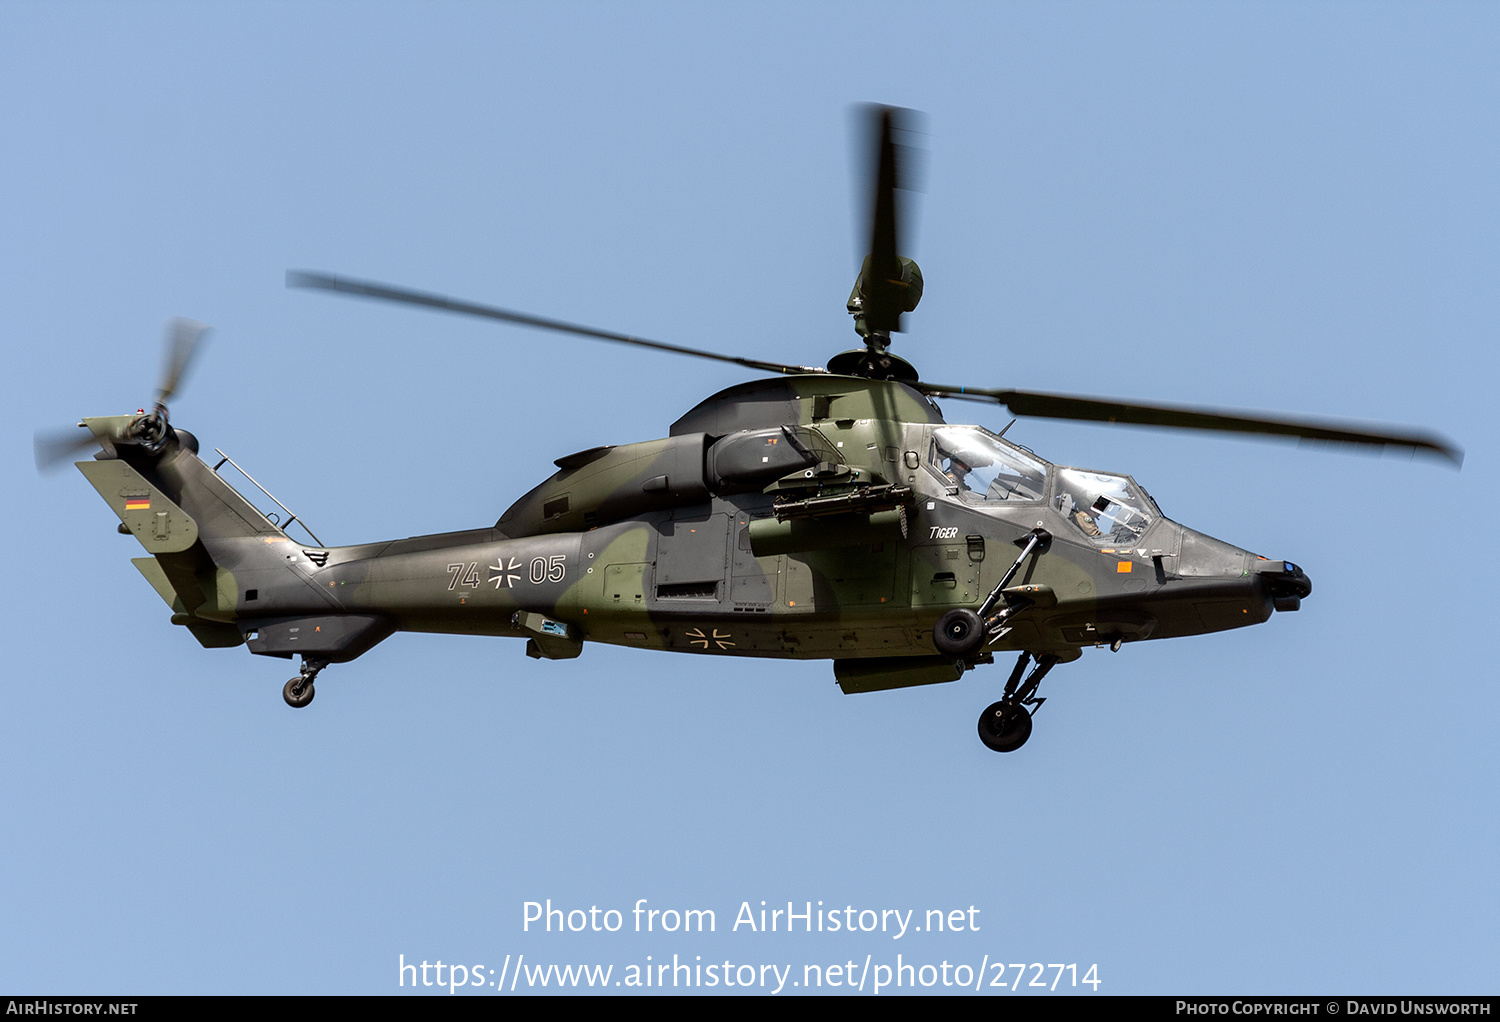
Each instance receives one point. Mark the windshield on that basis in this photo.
(1106, 508)
(985, 467)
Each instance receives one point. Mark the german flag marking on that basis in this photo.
(137, 503)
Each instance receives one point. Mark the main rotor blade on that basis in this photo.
(1063, 406)
(884, 296)
(885, 264)
(183, 337)
(389, 293)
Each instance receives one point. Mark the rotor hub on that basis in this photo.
(872, 364)
(150, 429)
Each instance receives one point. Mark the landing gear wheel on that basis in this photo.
(1004, 727)
(298, 692)
(958, 633)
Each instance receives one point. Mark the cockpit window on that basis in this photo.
(986, 467)
(1106, 508)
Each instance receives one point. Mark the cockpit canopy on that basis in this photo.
(986, 471)
(1104, 507)
(985, 467)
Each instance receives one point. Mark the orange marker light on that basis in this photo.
(1122, 568)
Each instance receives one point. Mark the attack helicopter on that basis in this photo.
(822, 513)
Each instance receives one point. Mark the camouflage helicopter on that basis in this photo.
(823, 513)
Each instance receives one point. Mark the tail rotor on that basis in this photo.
(148, 430)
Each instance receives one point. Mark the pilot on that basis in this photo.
(1083, 517)
(956, 471)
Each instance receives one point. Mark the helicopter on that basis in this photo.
(825, 512)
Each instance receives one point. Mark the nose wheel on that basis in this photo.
(298, 692)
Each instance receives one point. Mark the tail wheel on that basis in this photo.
(1004, 727)
(298, 692)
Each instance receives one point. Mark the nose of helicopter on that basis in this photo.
(1206, 560)
(1287, 584)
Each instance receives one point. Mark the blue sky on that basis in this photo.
(1277, 206)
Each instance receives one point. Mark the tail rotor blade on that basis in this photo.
(182, 341)
(54, 448)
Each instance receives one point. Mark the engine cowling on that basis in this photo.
(608, 484)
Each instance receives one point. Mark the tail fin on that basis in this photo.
(205, 538)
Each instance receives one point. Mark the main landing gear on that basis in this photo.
(299, 691)
(961, 633)
(1004, 726)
